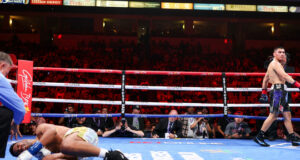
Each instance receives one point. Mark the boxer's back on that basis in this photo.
(55, 145)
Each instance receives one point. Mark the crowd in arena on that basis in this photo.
(156, 56)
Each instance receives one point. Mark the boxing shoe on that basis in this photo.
(259, 139)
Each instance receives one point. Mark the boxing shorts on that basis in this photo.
(87, 134)
(279, 99)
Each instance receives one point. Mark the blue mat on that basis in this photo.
(196, 149)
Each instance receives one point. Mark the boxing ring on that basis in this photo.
(172, 149)
(197, 149)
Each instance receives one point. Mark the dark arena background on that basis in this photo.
(111, 60)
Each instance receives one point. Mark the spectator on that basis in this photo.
(149, 127)
(222, 123)
(108, 121)
(32, 127)
(200, 127)
(237, 129)
(125, 130)
(38, 120)
(138, 123)
(281, 132)
(168, 128)
(70, 120)
(15, 132)
(187, 122)
(35, 121)
(210, 122)
(82, 121)
(98, 124)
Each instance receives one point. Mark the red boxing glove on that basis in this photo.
(296, 84)
(264, 91)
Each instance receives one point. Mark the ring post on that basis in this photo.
(24, 87)
(224, 93)
(123, 97)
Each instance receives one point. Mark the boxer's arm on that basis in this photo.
(46, 133)
(280, 71)
(264, 98)
(265, 81)
(59, 156)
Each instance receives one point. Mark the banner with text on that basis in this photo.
(47, 2)
(24, 89)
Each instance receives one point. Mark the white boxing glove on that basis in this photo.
(42, 153)
(25, 155)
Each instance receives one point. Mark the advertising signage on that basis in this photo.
(15, 1)
(294, 9)
(79, 2)
(206, 6)
(46, 2)
(120, 4)
(240, 7)
(265, 8)
(133, 4)
(171, 5)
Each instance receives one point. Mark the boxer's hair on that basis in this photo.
(278, 47)
(11, 150)
(5, 57)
